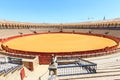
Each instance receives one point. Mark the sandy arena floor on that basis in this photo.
(59, 42)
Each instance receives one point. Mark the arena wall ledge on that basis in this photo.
(45, 58)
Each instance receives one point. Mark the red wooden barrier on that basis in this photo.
(45, 58)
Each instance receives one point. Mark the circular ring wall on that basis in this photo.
(60, 44)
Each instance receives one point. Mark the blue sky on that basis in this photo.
(58, 11)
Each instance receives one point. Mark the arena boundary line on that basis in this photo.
(45, 57)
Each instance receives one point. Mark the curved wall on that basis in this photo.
(45, 58)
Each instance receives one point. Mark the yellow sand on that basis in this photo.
(59, 42)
